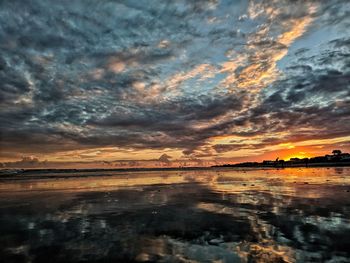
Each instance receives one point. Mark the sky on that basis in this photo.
(146, 83)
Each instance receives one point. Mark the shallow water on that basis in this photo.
(219, 215)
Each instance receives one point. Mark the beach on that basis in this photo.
(206, 215)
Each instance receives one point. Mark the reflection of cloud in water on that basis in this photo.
(204, 217)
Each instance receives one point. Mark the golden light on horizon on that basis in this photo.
(300, 155)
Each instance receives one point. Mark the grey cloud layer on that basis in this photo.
(81, 74)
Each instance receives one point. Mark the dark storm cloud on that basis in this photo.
(148, 74)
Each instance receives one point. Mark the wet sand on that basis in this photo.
(216, 215)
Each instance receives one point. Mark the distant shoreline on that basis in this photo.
(14, 171)
(297, 165)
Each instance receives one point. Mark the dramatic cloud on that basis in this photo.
(165, 158)
(197, 79)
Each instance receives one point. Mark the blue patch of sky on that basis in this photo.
(314, 40)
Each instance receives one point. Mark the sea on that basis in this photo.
(197, 215)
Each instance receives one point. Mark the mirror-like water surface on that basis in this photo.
(222, 215)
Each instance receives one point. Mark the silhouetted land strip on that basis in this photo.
(336, 159)
(286, 164)
(24, 174)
